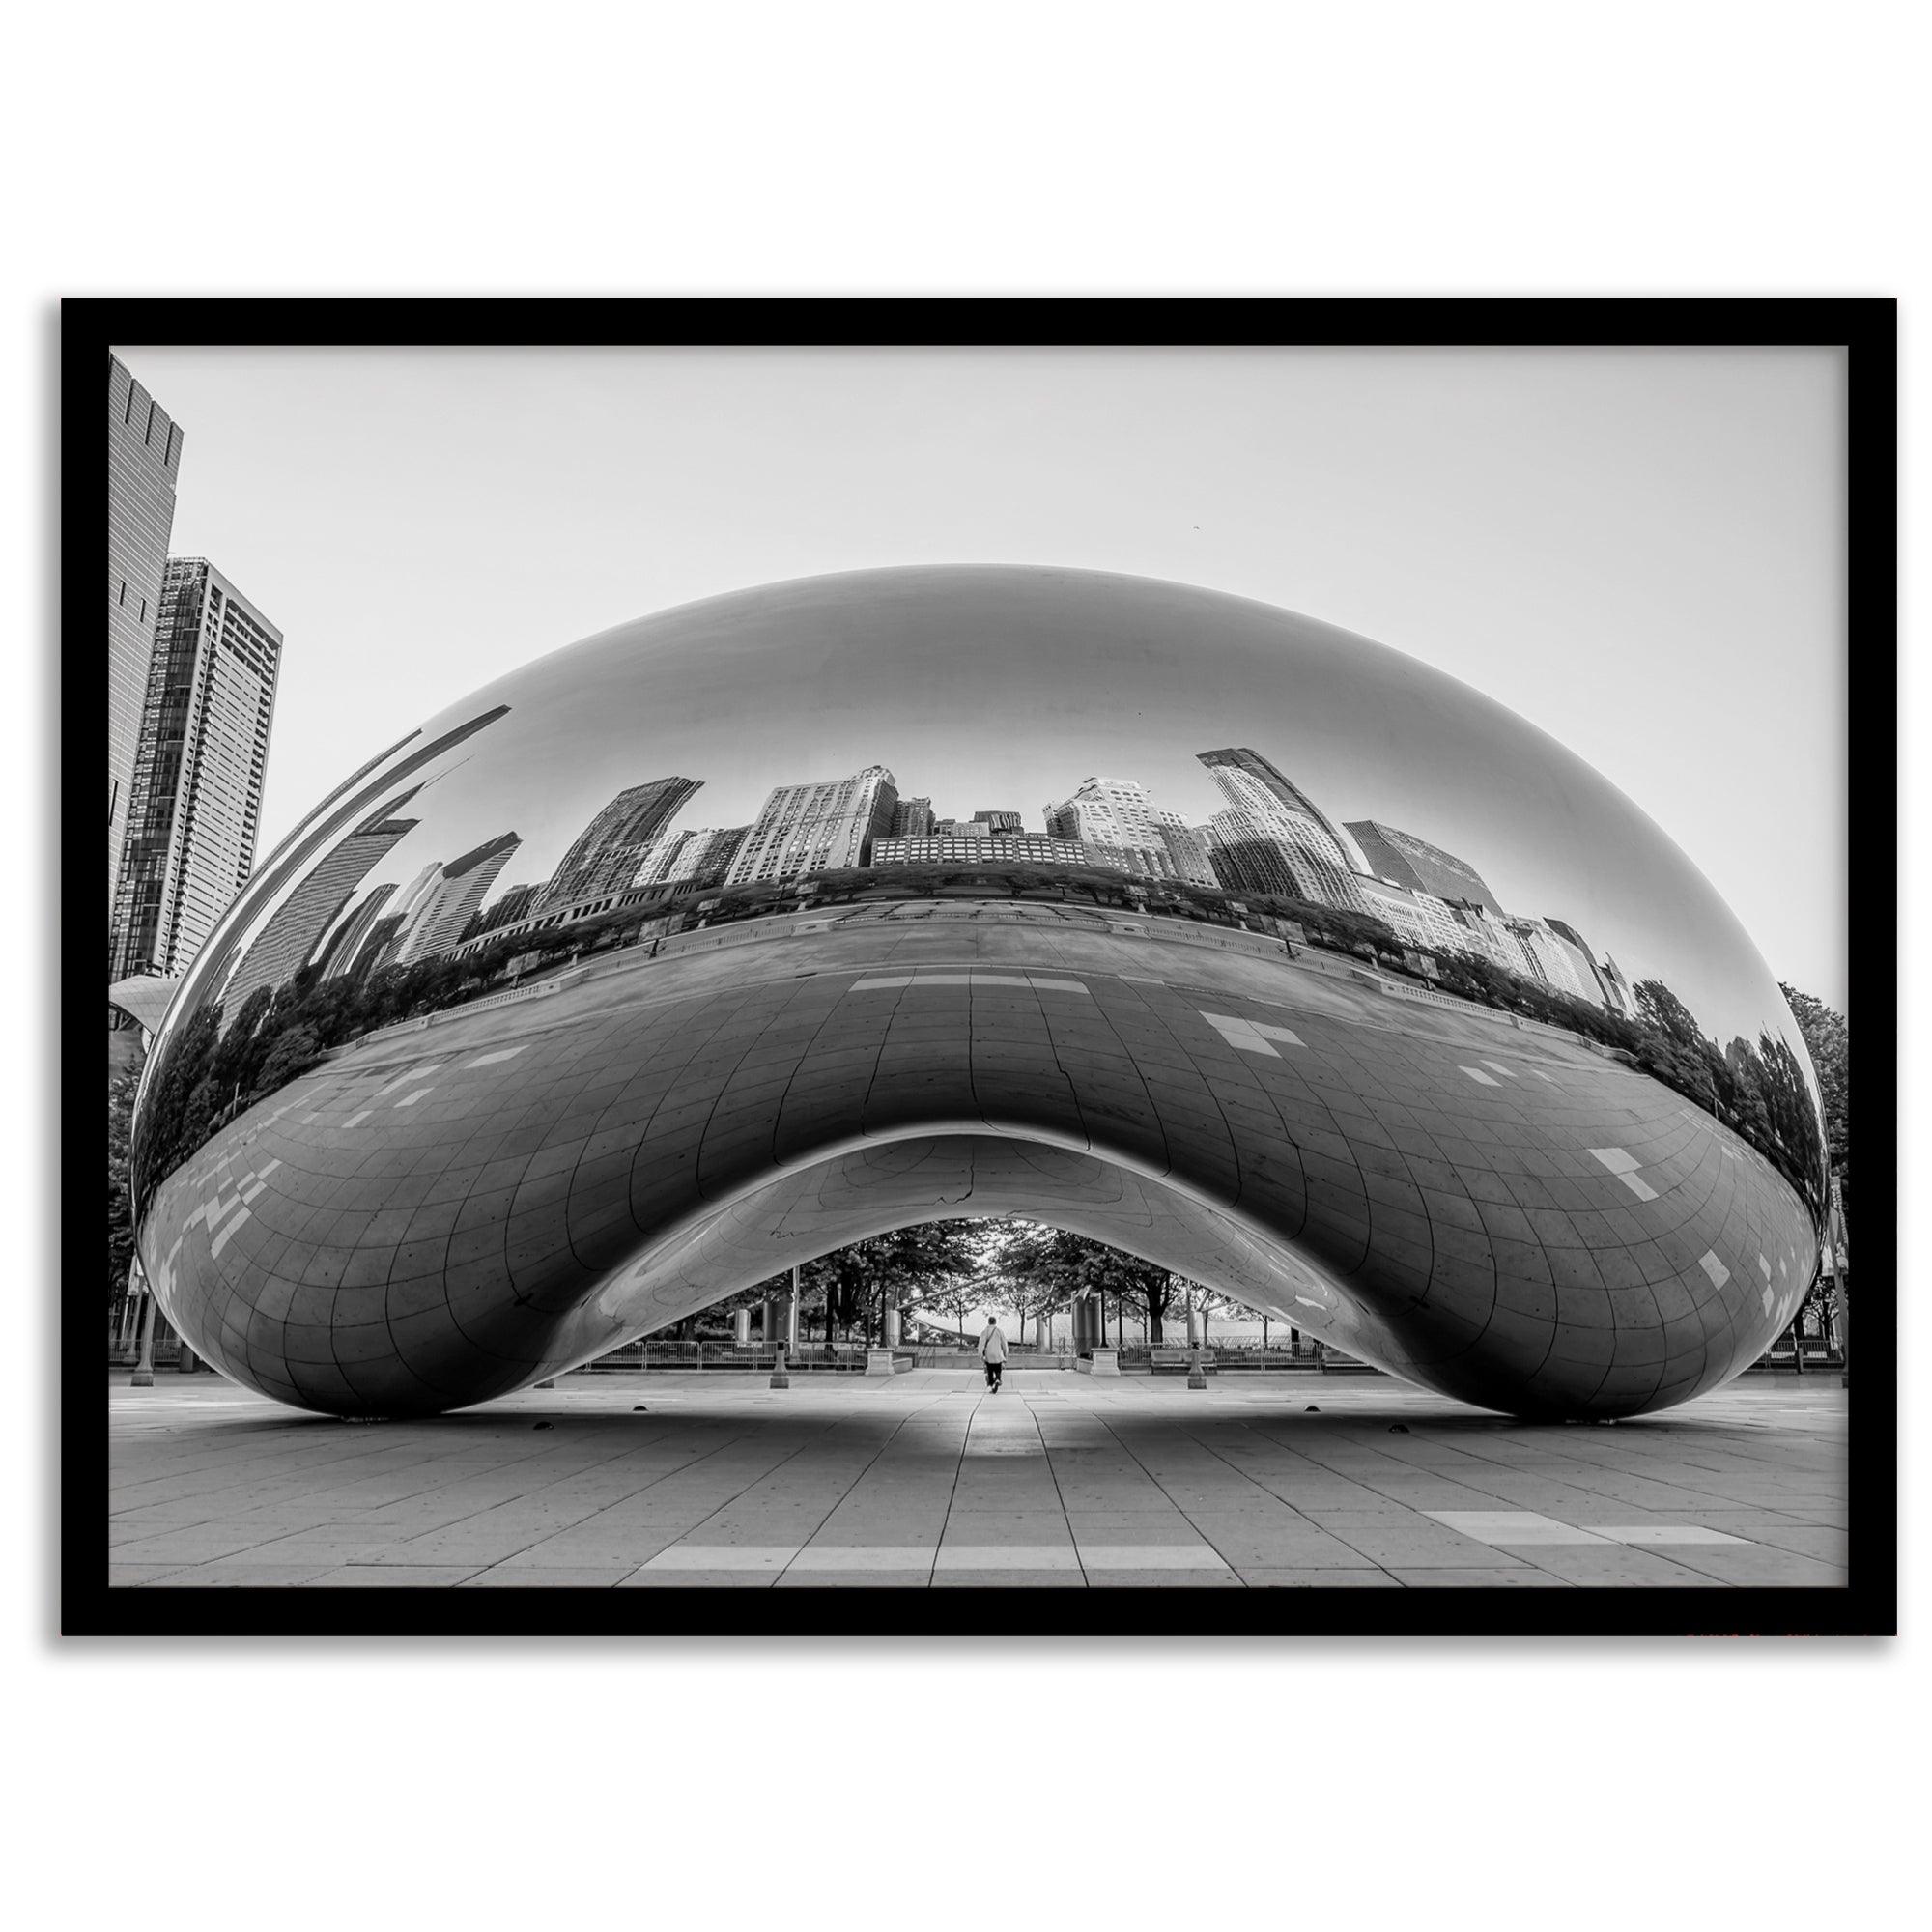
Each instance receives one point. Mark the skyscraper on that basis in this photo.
(1186, 849)
(1547, 958)
(1596, 983)
(1310, 850)
(144, 447)
(807, 828)
(704, 854)
(1117, 815)
(284, 945)
(1423, 868)
(611, 848)
(451, 902)
(196, 798)
(912, 818)
(1420, 919)
(1623, 996)
(513, 903)
(338, 955)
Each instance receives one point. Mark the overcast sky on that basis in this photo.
(1640, 551)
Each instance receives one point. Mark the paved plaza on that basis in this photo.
(924, 1480)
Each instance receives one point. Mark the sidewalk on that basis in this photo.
(1060, 1481)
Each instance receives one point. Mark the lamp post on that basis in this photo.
(144, 1367)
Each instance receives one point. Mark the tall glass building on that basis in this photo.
(608, 853)
(1308, 850)
(195, 803)
(803, 828)
(1412, 861)
(144, 447)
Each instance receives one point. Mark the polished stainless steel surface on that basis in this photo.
(757, 926)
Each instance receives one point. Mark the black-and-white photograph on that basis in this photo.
(839, 963)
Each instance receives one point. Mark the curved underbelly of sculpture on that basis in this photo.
(457, 1209)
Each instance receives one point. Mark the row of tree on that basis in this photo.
(944, 1270)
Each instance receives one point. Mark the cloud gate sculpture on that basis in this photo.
(740, 932)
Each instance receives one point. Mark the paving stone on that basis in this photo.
(220, 1482)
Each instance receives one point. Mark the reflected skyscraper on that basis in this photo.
(1309, 850)
(704, 854)
(1423, 868)
(812, 827)
(144, 447)
(459, 887)
(1420, 919)
(611, 848)
(1596, 982)
(1548, 959)
(515, 903)
(287, 942)
(345, 943)
(197, 783)
(1115, 816)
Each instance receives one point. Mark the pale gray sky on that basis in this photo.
(1640, 551)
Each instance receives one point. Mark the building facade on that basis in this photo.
(453, 900)
(1406, 859)
(1309, 850)
(700, 857)
(607, 852)
(1019, 848)
(288, 941)
(345, 945)
(144, 446)
(195, 803)
(1419, 917)
(1549, 959)
(1117, 816)
(808, 828)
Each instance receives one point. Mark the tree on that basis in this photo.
(1041, 1268)
(931, 1266)
(1827, 1040)
(119, 1199)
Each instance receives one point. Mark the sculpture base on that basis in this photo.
(879, 1362)
(1102, 1362)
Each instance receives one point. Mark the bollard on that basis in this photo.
(1197, 1374)
(780, 1378)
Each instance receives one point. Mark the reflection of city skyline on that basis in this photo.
(1270, 838)
(711, 766)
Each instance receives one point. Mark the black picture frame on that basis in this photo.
(1866, 328)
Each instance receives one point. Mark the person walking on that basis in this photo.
(993, 1352)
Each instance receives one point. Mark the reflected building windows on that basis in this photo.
(1307, 850)
(1405, 860)
(815, 827)
(608, 851)
(288, 939)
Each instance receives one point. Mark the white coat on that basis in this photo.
(993, 1346)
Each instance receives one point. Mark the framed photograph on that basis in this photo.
(848, 965)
